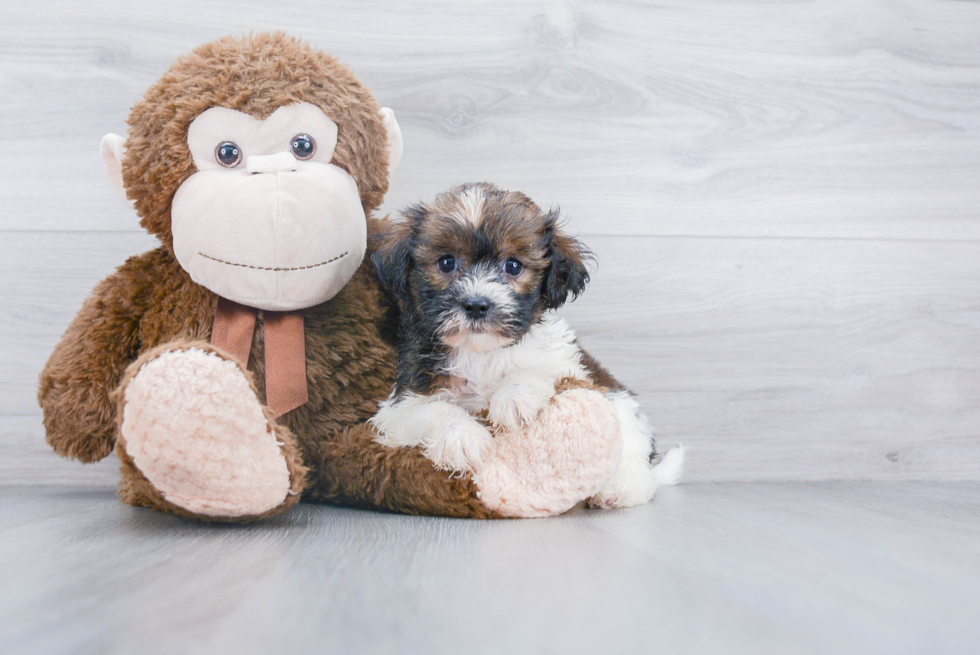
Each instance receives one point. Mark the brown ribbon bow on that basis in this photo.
(285, 350)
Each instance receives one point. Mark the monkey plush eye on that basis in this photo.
(228, 154)
(446, 264)
(513, 267)
(303, 146)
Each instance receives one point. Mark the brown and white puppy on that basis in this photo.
(475, 275)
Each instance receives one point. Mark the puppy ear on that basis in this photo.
(567, 274)
(392, 257)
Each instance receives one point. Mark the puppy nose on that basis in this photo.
(476, 306)
(277, 163)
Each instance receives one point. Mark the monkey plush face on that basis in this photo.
(267, 220)
(255, 160)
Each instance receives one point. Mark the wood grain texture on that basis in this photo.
(767, 363)
(727, 568)
(853, 118)
(784, 198)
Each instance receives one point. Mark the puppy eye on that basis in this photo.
(446, 264)
(303, 146)
(228, 154)
(513, 267)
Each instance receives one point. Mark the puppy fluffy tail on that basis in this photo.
(670, 469)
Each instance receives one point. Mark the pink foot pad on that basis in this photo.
(565, 456)
(195, 429)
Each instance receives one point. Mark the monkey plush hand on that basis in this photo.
(234, 368)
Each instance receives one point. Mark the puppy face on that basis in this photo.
(478, 266)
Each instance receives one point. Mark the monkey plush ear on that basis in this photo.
(392, 253)
(567, 273)
(112, 149)
(395, 145)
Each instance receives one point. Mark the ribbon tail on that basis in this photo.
(233, 328)
(285, 362)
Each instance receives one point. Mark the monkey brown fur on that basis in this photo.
(151, 305)
(349, 362)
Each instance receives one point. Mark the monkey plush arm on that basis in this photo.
(85, 367)
(355, 470)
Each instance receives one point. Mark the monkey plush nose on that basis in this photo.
(277, 163)
(476, 306)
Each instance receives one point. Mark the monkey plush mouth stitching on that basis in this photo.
(269, 268)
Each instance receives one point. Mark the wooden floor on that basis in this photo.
(707, 568)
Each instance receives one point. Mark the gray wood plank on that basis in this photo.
(770, 359)
(796, 359)
(25, 459)
(733, 568)
(837, 118)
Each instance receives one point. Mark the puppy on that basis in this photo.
(475, 276)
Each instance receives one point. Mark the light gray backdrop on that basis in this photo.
(783, 198)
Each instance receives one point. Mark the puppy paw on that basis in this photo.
(628, 487)
(514, 405)
(635, 481)
(458, 446)
(620, 494)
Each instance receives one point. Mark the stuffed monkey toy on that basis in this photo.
(234, 368)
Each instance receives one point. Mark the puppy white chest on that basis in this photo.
(545, 354)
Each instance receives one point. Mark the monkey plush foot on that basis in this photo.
(198, 441)
(565, 456)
